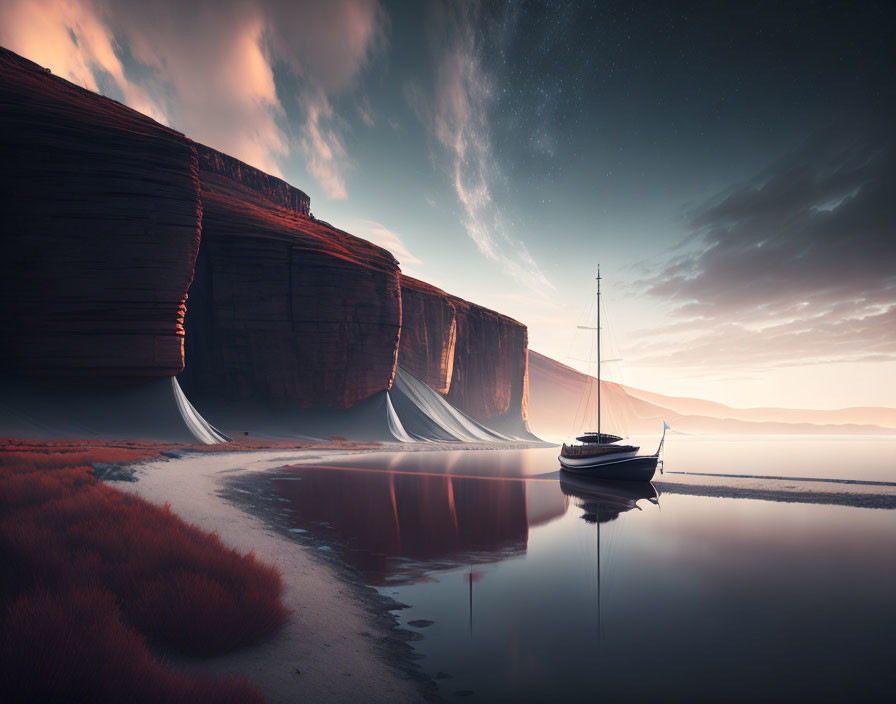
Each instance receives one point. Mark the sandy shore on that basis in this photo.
(839, 492)
(333, 649)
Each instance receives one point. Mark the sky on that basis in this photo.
(730, 166)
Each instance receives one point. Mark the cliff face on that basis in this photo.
(101, 224)
(428, 333)
(489, 381)
(103, 210)
(273, 189)
(285, 310)
(474, 356)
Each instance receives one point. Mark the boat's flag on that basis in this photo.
(666, 426)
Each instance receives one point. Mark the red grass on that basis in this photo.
(90, 572)
(71, 646)
(134, 450)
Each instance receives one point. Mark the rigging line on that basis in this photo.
(585, 398)
(584, 404)
(594, 354)
(618, 411)
(579, 409)
(584, 315)
(602, 361)
(614, 340)
(616, 414)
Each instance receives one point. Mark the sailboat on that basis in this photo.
(603, 455)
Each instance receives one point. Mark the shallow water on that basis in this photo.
(540, 588)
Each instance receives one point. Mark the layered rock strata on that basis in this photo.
(474, 356)
(428, 333)
(273, 189)
(285, 309)
(103, 210)
(489, 378)
(101, 226)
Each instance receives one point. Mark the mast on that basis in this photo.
(598, 355)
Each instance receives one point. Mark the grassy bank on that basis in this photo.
(96, 583)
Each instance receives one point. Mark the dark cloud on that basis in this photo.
(800, 258)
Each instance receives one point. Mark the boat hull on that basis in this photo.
(639, 468)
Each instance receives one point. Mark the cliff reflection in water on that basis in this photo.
(395, 526)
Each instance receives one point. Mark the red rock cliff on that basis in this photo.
(102, 212)
(272, 188)
(474, 356)
(101, 220)
(428, 333)
(489, 381)
(285, 310)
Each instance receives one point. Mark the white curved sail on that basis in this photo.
(395, 426)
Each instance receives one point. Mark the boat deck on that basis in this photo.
(595, 450)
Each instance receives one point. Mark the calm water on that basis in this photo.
(541, 589)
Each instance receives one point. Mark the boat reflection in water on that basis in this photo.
(605, 501)
(396, 526)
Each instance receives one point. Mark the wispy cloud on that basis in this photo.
(70, 38)
(794, 266)
(207, 67)
(381, 235)
(327, 46)
(459, 116)
(325, 156)
(365, 112)
(713, 347)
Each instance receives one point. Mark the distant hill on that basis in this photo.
(559, 397)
